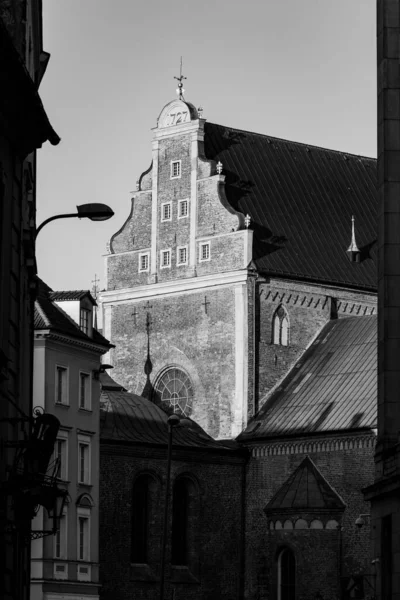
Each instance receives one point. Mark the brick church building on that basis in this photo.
(241, 292)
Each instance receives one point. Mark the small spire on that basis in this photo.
(247, 221)
(353, 249)
(219, 167)
(353, 246)
(180, 91)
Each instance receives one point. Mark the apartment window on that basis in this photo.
(60, 538)
(84, 459)
(183, 209)
(166, 212)
(60, 458)
(165, 258)
(204, 251)
(83, 534)
(144, 262)
(61, 385)
(182, 255)
(84, 391)
(84, 320)
(175, 169)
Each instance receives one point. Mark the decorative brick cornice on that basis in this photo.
(48, 335)
(322, 302)
(309, 446)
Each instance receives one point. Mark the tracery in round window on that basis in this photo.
(174, 391)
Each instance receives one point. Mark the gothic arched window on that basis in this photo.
(286, 575)
(143, 487)
(280, 327)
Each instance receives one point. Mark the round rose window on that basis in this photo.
(174, 390)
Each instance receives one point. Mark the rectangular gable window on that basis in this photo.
(165, 258)
(61, 385)
(144, 262)
(183, 209)
(166, 213)
(182, 255)
(175, 169)
(204, 251)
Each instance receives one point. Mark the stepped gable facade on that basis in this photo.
(241, 292)
(236, 251)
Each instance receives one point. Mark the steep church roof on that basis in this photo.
(301, 199)
(306, 488)
(333, 386)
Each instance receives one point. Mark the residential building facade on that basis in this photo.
(66, 384)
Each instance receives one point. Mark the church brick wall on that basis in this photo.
(308, 308)
(347, 471)
(219, 542)
(214, 215)
(182, 335)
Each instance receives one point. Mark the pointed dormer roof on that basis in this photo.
(306, 489)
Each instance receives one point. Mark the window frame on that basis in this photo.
(144, 255)
(88, 404)
(62, 436)
(84, 323)
(201, 246)
(64, 369)
(277, 327)
(168, 266)
(165, 205)
(61, 538)
(85, 514)
(176, 162)
(84, 440)
(185, 262)
(180, 204)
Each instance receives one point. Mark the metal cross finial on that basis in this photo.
(180, 91)
(95, 288)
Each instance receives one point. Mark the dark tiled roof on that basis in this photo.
(126, 417)
(332, 387)
(301, 199)
(72, 295)
(50, 316)
(306, 488)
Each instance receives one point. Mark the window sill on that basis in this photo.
(141, 572)
(85, 484)
(85, 410)
(63, 404)
(182, 574)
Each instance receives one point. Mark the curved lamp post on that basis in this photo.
(94, 212)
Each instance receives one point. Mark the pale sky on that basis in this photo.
(300, 70)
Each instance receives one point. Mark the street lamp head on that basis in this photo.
(95, 212)
(173, 420)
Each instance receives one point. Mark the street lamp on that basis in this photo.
(94, 212)
(172, 421)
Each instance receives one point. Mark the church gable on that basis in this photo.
(305, 489)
